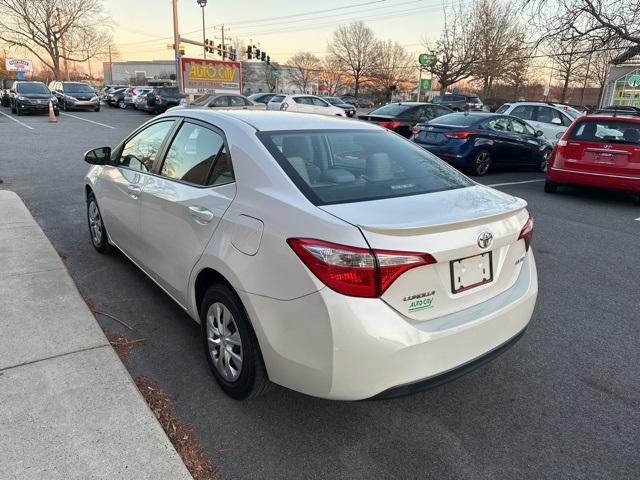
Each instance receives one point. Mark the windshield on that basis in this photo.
(342, 166)
(202, 101)
(392, 110)
(76, 88)
(32, 88)
(456, 120)
(601, 130)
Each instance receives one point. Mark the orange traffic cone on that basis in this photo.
(52, 115)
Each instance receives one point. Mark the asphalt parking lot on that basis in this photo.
(563, 403)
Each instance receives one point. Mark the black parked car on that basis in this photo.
(4, 97)
(349, 109)
(108, 89)
(261, 97)
(160, 99)
(75, 95)
(401, 117)
(357, 102)
(27, 97)
(478, 141)
(459, 103)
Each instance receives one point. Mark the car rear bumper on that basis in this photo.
(594, 179)
(345, 348)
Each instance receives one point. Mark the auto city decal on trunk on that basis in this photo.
(420, 301)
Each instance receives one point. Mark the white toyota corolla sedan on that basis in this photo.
(332, 257)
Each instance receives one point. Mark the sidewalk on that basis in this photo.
(68, 407)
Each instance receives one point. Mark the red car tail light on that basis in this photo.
(462, 134)
(158, 98)
(527, 233)
(416, 130)
(390, 125)
(352, 271)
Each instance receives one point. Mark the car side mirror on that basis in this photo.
(98, 156)
(539, 133)
(556, 121)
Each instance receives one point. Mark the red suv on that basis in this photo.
(599, 151)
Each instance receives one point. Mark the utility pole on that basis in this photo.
(110, 66)
(176, 45)
(64, 50)
(224, 51)
(203, 3)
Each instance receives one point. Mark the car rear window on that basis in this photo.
(391, 110)
(343, 166)
(277, 99)
(456, 119)
(610, 131)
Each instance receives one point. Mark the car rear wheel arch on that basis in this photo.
(206, 278)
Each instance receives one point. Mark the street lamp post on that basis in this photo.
(203, 3)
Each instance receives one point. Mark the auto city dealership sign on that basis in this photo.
(211, 76)
(19, 65)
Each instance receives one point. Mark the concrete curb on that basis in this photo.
(68, 407)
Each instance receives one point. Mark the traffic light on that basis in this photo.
(263, 56)
(209, 46)
(257, 52)
(268, 59)
(233, 54)
(219, 49)
(249, 52)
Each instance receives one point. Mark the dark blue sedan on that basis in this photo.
(478, 141)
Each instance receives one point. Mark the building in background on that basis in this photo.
(154, 72)
(623, 80)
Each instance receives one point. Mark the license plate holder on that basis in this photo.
(471, 272)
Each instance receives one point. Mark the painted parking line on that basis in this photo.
(16, 120)
(515, 183)
(86, 120)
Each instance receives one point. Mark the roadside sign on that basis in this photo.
(19, 65)
(209, 76)
(425, 84)
(427, 59)
(20, 75)
(276, 74)
(546, 92)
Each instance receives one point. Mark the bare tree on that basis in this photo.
(568, 59)
(520, 66)
(500, 38)
(456, 48)
(597, 21)
(56, 31)
(332, 76)
(600, 63)
(354, 46)
(304, 69)
(393, 65)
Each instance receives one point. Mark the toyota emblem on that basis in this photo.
(485, 239)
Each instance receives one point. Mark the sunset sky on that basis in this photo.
(142, 28)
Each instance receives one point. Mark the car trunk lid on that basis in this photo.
(447, 225)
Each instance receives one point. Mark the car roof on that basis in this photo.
(609, 116)
(264, 120)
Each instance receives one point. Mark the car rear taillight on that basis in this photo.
(457, 134)
(390, 125)
(158, 98)
(353, 271)
(416, 130)
(527, 233)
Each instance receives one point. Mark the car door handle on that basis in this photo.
(134, 190)
(201, 214)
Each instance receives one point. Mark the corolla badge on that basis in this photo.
(485, 239)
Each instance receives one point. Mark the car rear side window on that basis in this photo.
(342, 166)
(192, 154)
(503, 108)
(602, 130)
(525, 112)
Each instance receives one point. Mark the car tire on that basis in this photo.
(56, 113)
(96, 109)
(65, 108)
(18, 112)
(481, 163)
(231, 346)
(543, 163)
(550, 187)
(97, 230)
(121, 104)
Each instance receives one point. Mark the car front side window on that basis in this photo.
(141, 150)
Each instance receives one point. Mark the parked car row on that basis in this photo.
(29, 97)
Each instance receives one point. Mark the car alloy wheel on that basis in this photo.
(96, 226)
(121, 104)
(481, 163)
(545, 158)
(225, 344)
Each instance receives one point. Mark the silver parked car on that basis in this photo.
(332, 257)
